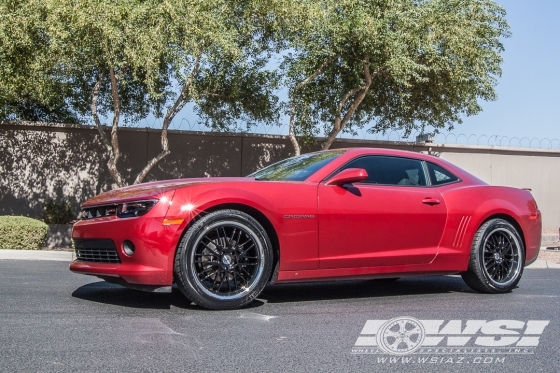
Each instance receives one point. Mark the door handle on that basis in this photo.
(431, 201)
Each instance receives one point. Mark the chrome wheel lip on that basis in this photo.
(254, 236)
(513, 272)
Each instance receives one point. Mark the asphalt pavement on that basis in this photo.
(52, 320)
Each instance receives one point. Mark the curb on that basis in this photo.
(543, 264)
(61, 256)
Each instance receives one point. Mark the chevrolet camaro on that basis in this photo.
(339, 214)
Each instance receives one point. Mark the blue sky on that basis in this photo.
(528, 104)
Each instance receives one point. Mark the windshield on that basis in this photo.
(296, 168)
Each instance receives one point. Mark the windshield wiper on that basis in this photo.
(262, 178)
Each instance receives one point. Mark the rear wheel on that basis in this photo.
(224, 260)
(497, 258)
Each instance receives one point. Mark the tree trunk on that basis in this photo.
(292, 133)
(359, 93)
(169, 115)
(116, 153)
(113, 146)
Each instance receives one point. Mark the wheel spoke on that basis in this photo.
(415, 330)
(221, 282)
(408, 342)
(210, 275)
(244, 270)
(238, 238)
(390, 333)
(394, 346)
(243, 279)
(226, 242)
(234, 279)
(219, 238)
(210, 248)
(244, 251)
(246, 242)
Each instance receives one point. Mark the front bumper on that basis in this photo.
(129, 272)
(155, 245)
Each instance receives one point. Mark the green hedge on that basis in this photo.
(21, 233)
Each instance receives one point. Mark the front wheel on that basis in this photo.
(224, 260)
(497, 258)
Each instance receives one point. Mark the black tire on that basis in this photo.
(224, 260)
(497, 258)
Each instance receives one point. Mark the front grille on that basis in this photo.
(122, 210)
(100, 251)
(99, 211)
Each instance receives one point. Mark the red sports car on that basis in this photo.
(336, 214)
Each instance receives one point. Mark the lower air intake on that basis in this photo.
(99, 251)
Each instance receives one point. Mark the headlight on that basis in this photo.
(131, 209)
(122, 210)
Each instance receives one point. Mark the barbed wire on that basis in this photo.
(468, 139)
(363, 134)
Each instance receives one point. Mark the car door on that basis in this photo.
(393, 218)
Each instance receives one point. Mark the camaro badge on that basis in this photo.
(299, 216)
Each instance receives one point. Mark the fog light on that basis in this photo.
(128, 247)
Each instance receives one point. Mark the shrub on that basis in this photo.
(21, 233)
(58, 213)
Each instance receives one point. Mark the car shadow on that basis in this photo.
(116, 295)
(107, 293)
(364, 289)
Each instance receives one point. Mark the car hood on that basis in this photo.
(154, 190)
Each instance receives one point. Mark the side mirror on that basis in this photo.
(348, 176)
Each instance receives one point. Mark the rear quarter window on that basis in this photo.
(439, 175)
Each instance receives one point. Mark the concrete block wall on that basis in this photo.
(39, 162)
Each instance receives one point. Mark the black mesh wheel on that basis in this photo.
(497, 258)
(224, 260)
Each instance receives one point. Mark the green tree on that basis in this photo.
(125, 59)
(24, 109)
(29, 89)
(403, 64)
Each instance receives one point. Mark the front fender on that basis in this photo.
(298, 238)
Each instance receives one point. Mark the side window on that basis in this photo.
(440, 176)
(385, 170)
